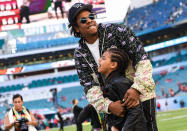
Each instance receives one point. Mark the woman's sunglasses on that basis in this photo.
(91, 16)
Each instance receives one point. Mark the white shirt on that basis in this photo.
(94, 49)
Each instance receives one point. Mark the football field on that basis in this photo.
(167, 121)
(172, 120)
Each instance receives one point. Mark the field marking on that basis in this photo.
(166, 114)
(173, 118)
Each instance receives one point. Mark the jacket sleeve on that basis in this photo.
(91, 85)
(143, 80)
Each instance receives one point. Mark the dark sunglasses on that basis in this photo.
(91, 16)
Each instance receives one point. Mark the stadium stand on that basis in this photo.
(41, 83)
(168, 85)
(170, 58)
(2, 41)
(46, 44)
(66, 95)
(162, 13)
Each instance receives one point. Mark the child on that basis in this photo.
(113, 64)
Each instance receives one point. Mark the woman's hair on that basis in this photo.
(121, 57)
(17, 96)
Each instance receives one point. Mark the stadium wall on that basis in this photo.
(173, 103)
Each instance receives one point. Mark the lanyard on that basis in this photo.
(20, 115)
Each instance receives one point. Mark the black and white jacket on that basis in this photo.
(118, 36)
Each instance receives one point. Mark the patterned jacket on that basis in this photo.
(140, 71)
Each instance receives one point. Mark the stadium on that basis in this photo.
(36, 58)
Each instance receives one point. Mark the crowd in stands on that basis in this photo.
(170, 84)
(160, 13)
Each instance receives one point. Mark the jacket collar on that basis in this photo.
(113, 75)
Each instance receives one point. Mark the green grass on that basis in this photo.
(172, 120)
(167, 121)
(86, 127)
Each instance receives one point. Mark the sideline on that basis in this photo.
(173, 118)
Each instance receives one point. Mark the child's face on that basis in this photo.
(105, 64)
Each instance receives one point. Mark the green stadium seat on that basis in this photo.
(39, 83)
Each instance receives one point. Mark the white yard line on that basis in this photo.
(166, 114)
(173, 118)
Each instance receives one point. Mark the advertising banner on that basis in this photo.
(9, 14)
(38, 67)
(10, 70)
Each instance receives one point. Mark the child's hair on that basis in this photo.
(121, 57)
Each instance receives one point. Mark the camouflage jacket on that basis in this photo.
(140, 71)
